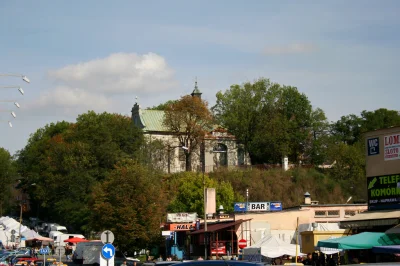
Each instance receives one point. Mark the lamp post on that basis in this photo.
(24, 78)
(203, 166)
(13, 87)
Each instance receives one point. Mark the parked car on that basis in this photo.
(219, 263)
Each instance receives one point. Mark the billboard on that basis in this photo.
(391, 147)
(182, 227)
(218, 248)
(239, 207)
(275, 206)
(257, 206)
(182, 217)
(383, 192)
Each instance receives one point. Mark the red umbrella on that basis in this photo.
(76, 240)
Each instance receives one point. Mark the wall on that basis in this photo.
(375, 162)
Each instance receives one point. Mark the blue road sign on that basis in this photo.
(108, 251)
(44, 251)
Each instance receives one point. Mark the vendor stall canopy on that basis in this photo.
(366, 240)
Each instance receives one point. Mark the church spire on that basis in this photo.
(196, 92)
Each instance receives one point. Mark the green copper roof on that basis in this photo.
(152, 120)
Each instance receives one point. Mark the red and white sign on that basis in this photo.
(220, 250)
(391, 147)
(242, 243)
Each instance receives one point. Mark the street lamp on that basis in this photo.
(12, 87)
(24, 78)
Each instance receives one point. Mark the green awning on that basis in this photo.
(365, 240)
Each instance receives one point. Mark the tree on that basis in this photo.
(187, 192)
(271, 120)
(380, 118)
(66, 160)
(188, 119)
(7, 177)
(131, 203)
(163, 106)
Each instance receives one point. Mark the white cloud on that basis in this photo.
(118, 73)
(70, 101)
(295, 48)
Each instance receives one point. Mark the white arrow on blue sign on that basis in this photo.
(108, 251)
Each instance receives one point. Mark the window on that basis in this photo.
(221, 152)
(334, 213)
(182, 156)
(320, 214)
(240, 153)
(349, 213)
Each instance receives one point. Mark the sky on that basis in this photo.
(100, 55)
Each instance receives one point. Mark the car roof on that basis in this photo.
(219, 262)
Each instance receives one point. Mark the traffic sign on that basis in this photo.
(44, 251)
(242, 243)
(108, 251)
(107, 237)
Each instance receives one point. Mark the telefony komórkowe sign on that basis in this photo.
(383, 192)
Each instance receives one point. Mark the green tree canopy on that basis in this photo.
(7, 177)
(131, 203)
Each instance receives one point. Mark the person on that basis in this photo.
(308, 260)
(169, 258)
(123, 263)
(200, 258)
(160, 258)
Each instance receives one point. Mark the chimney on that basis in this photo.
(307, 198)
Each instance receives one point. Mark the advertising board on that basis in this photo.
(275, 206)
(182, 227)
(182, 217)
(383, 192)
(257, 206)
(239, 207)
(218, 248)
(391, 147)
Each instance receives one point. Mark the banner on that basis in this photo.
(275, 206)
(220, 250)
(391, 147)
(384, 192)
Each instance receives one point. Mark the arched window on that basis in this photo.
(221, 154)
(240, 154)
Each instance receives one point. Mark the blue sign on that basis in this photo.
(44, 251)
(373, 146)
(275, 206)
(240, 207)
(108, 251)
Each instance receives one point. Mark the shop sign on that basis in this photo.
(391, 147)
(384, 192)
(182, 227)
(373, 146)
(258, 206)
(182, 217)
(218, 248)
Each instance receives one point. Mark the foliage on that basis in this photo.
(189, 119)
(130, 202)
(7, 178)
(66, 160)
(271, 120)
(187, 192)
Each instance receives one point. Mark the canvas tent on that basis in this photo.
(365, 240)
(270, 247)
(329, 251)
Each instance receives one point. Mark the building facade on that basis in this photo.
(221, 148)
